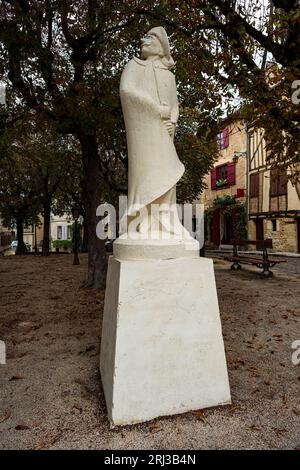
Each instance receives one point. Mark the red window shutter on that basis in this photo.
(225, 138)
(231, 173)
(213, 178)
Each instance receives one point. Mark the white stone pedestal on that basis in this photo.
(162, 349)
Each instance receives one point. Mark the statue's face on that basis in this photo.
(151, 46)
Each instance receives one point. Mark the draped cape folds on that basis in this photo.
(153, 165)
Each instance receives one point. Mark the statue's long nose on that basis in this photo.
(145, 41)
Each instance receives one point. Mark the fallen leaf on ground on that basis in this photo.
(280, 432)
(16, 377)
(154, 427)
(21, 427)
(40, 445)
(5, 416)
(254, 428)
(201, 416)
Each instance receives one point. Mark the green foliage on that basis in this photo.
(226, 204)
(221, 202)
(18, 200)
(198, 151)
(63, 60)
(221, 182)
(66, 244)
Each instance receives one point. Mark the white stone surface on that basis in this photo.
(155, 249)
(162, 350)
(150, 108)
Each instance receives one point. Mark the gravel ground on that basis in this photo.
(51, 395)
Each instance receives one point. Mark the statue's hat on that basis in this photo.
(162, 36)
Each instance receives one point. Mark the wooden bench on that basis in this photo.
(261, 261)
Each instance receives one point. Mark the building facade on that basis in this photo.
(273, 202)
(61, 227)
(225, 185)
(243, 174)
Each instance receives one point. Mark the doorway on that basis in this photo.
(259, 229)
(226, 229)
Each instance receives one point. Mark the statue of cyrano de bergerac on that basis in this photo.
(150, 107)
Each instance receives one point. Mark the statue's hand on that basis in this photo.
(170, 128)
(165, 111)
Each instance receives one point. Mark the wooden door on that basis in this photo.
(215, 227)
(259, 229)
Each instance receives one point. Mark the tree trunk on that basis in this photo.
(20, 237)
(46, 231)
(97, 258)
(35, 240)
(84, 246)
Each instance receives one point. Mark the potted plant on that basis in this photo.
(221, 182)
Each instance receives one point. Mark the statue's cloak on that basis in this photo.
(153, 165)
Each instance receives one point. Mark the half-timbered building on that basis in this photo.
(273, 201)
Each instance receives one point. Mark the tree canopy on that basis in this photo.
(63, 59)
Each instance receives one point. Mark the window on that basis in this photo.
(223, 139)
(69, 232)
(59, 232)
(254, 185)
(223, 175)
(274, 225)
(278, 182)
(222, 172)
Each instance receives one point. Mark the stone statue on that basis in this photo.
(150, 108)
(162, 350)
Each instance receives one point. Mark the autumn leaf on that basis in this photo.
(5, 416)
(154, 427)
(280, 432)
(253, 427)
(16, 377)
(201, 416)
(21, 427)
(40, 445)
